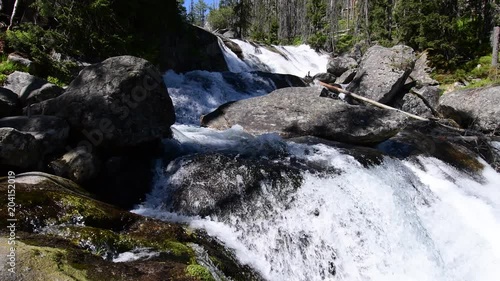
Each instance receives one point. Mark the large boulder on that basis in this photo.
(51, 132)
(204, 184)
(474, 108)
(413, 104)
(65, 234)
(293, 112)
(18, 149)
(119, 102)
(383, 72)
(192, 49)
(31, 89)
(9, 102)
(338, 65)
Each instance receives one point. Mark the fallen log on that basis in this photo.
(370, 101)
(381, 105)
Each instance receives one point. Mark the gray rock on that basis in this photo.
(234, 47)
(230, 33)
(203, 184)
(338, 65)
(47, 91)
(18, 149)
(17, 59)
(474, 108)
(421, 72)
(77, 165)
(358, 50)
(294, 112)
(325, 77)
(9, 102)
(413, 104)
(119, 102)
(193, 49)
(30, 88)
(383, 72)
(347, 76)
(51, 132)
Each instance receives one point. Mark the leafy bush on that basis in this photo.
(91, 31)
(221, 18)
(344, 43)
(317, 40)
(7, 67)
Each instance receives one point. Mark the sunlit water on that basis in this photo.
(400, 220)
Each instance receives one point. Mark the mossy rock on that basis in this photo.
(41, 257)
(65, 234)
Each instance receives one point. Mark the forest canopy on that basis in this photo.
(453, 31)
(88, 30)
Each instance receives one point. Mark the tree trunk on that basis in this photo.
(13, 14)
(496, 34)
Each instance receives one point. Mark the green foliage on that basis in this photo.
(7, 67)
(200, 272)
(91, 31)
(56, 81)
(221, 18)
(317, 40)
(344, 43)
(477, 72)
(297, 41)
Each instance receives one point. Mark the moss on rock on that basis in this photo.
(68, 235)
(200, 272)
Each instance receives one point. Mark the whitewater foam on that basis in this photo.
(396, 221)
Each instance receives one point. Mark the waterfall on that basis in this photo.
(401, 220)
(415, 219)
(295, 60)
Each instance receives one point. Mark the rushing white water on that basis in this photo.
(296, 60)
(395, 221)
(400, 220)
(200, 92)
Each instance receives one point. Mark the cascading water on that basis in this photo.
(400, 220)
(418, 219)
(296, 60)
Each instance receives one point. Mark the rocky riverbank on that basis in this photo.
(94, 146)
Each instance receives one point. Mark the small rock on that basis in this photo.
(18, 149)
(9, 102)
(30, 88)
(77, 165)
(413, 104)
(50, 131)
(325, 78)
(338, 65)
(347, 76)
(17, 59)
(421, 72)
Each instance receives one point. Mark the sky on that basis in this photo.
(187, 3)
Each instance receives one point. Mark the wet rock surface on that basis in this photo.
(294, 112)
(76, 236)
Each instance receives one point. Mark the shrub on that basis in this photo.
(221, 18)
